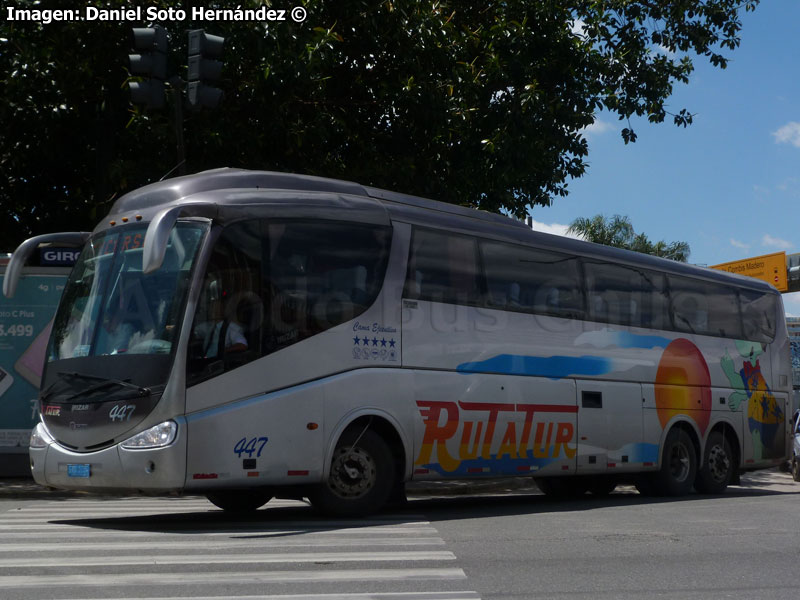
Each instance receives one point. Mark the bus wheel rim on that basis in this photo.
(718, 463)
(353, 473)
(679, 462)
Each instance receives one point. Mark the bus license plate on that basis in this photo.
(79, 470)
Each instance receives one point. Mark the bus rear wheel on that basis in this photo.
(678, 465)
(718, 465)
(239, 501)
(362, 476)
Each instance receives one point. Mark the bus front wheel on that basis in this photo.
(239, 501)
(362, 476)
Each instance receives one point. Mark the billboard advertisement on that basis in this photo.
(25, 323)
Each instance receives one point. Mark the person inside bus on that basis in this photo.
(219, 333)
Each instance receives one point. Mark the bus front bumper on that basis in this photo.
(113, 469)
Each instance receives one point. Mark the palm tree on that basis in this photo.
(618, 231)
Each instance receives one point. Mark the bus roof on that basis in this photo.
(422, 210)
(165, 192)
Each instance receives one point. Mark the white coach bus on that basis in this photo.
(246, 335)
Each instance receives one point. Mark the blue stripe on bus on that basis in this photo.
(639, 452)
(495, 465)
(621, 339)
(553, 367)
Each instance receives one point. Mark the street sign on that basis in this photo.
(769, 267)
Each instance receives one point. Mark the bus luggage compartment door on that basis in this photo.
(609, 426)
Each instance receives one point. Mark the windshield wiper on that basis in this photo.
(104, 382)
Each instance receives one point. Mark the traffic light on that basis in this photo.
(150, 63)
(204, 69)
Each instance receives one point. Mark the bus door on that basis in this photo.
(609, 427)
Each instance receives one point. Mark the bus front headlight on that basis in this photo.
(40, 438)
(157, 436)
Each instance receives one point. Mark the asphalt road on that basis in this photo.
(510, 543)
(743, 544)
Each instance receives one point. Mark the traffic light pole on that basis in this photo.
(177, 85)
(203, 71)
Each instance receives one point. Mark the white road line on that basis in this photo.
(459, 595)
(114, 507)
(153, 501)
(47, 545)
(254, 519)
(224, 559)
(93, 499)
(391, 538)
(224, 529)
(228, 578)
(204, 536)
(173, 506)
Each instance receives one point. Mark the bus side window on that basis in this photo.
(226, 327)
(351, 282)
(625, 295)
(276, 283)
(691, 314)
(598, 309)
(319, 274)
(758, 315)
(531, 280)
(704, 307)
(443, 268)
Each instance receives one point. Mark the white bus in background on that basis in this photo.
(246, 335)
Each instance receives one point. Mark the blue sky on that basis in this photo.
(729, 184)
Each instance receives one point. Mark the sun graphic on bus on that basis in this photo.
(683, 384)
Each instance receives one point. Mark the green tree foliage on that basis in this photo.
(618, 231)
(481, 104)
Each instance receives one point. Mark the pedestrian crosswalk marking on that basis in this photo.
(47, 546)
(227, 577)
(191, 559)
(129, 546)
(358, 596)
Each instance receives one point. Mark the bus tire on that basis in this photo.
(362, 476)
(562, 487)
(239, 501)
(678, 465)
(718, 465)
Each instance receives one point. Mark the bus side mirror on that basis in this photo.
(156, 237)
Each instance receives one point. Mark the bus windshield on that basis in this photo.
(110, 307)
